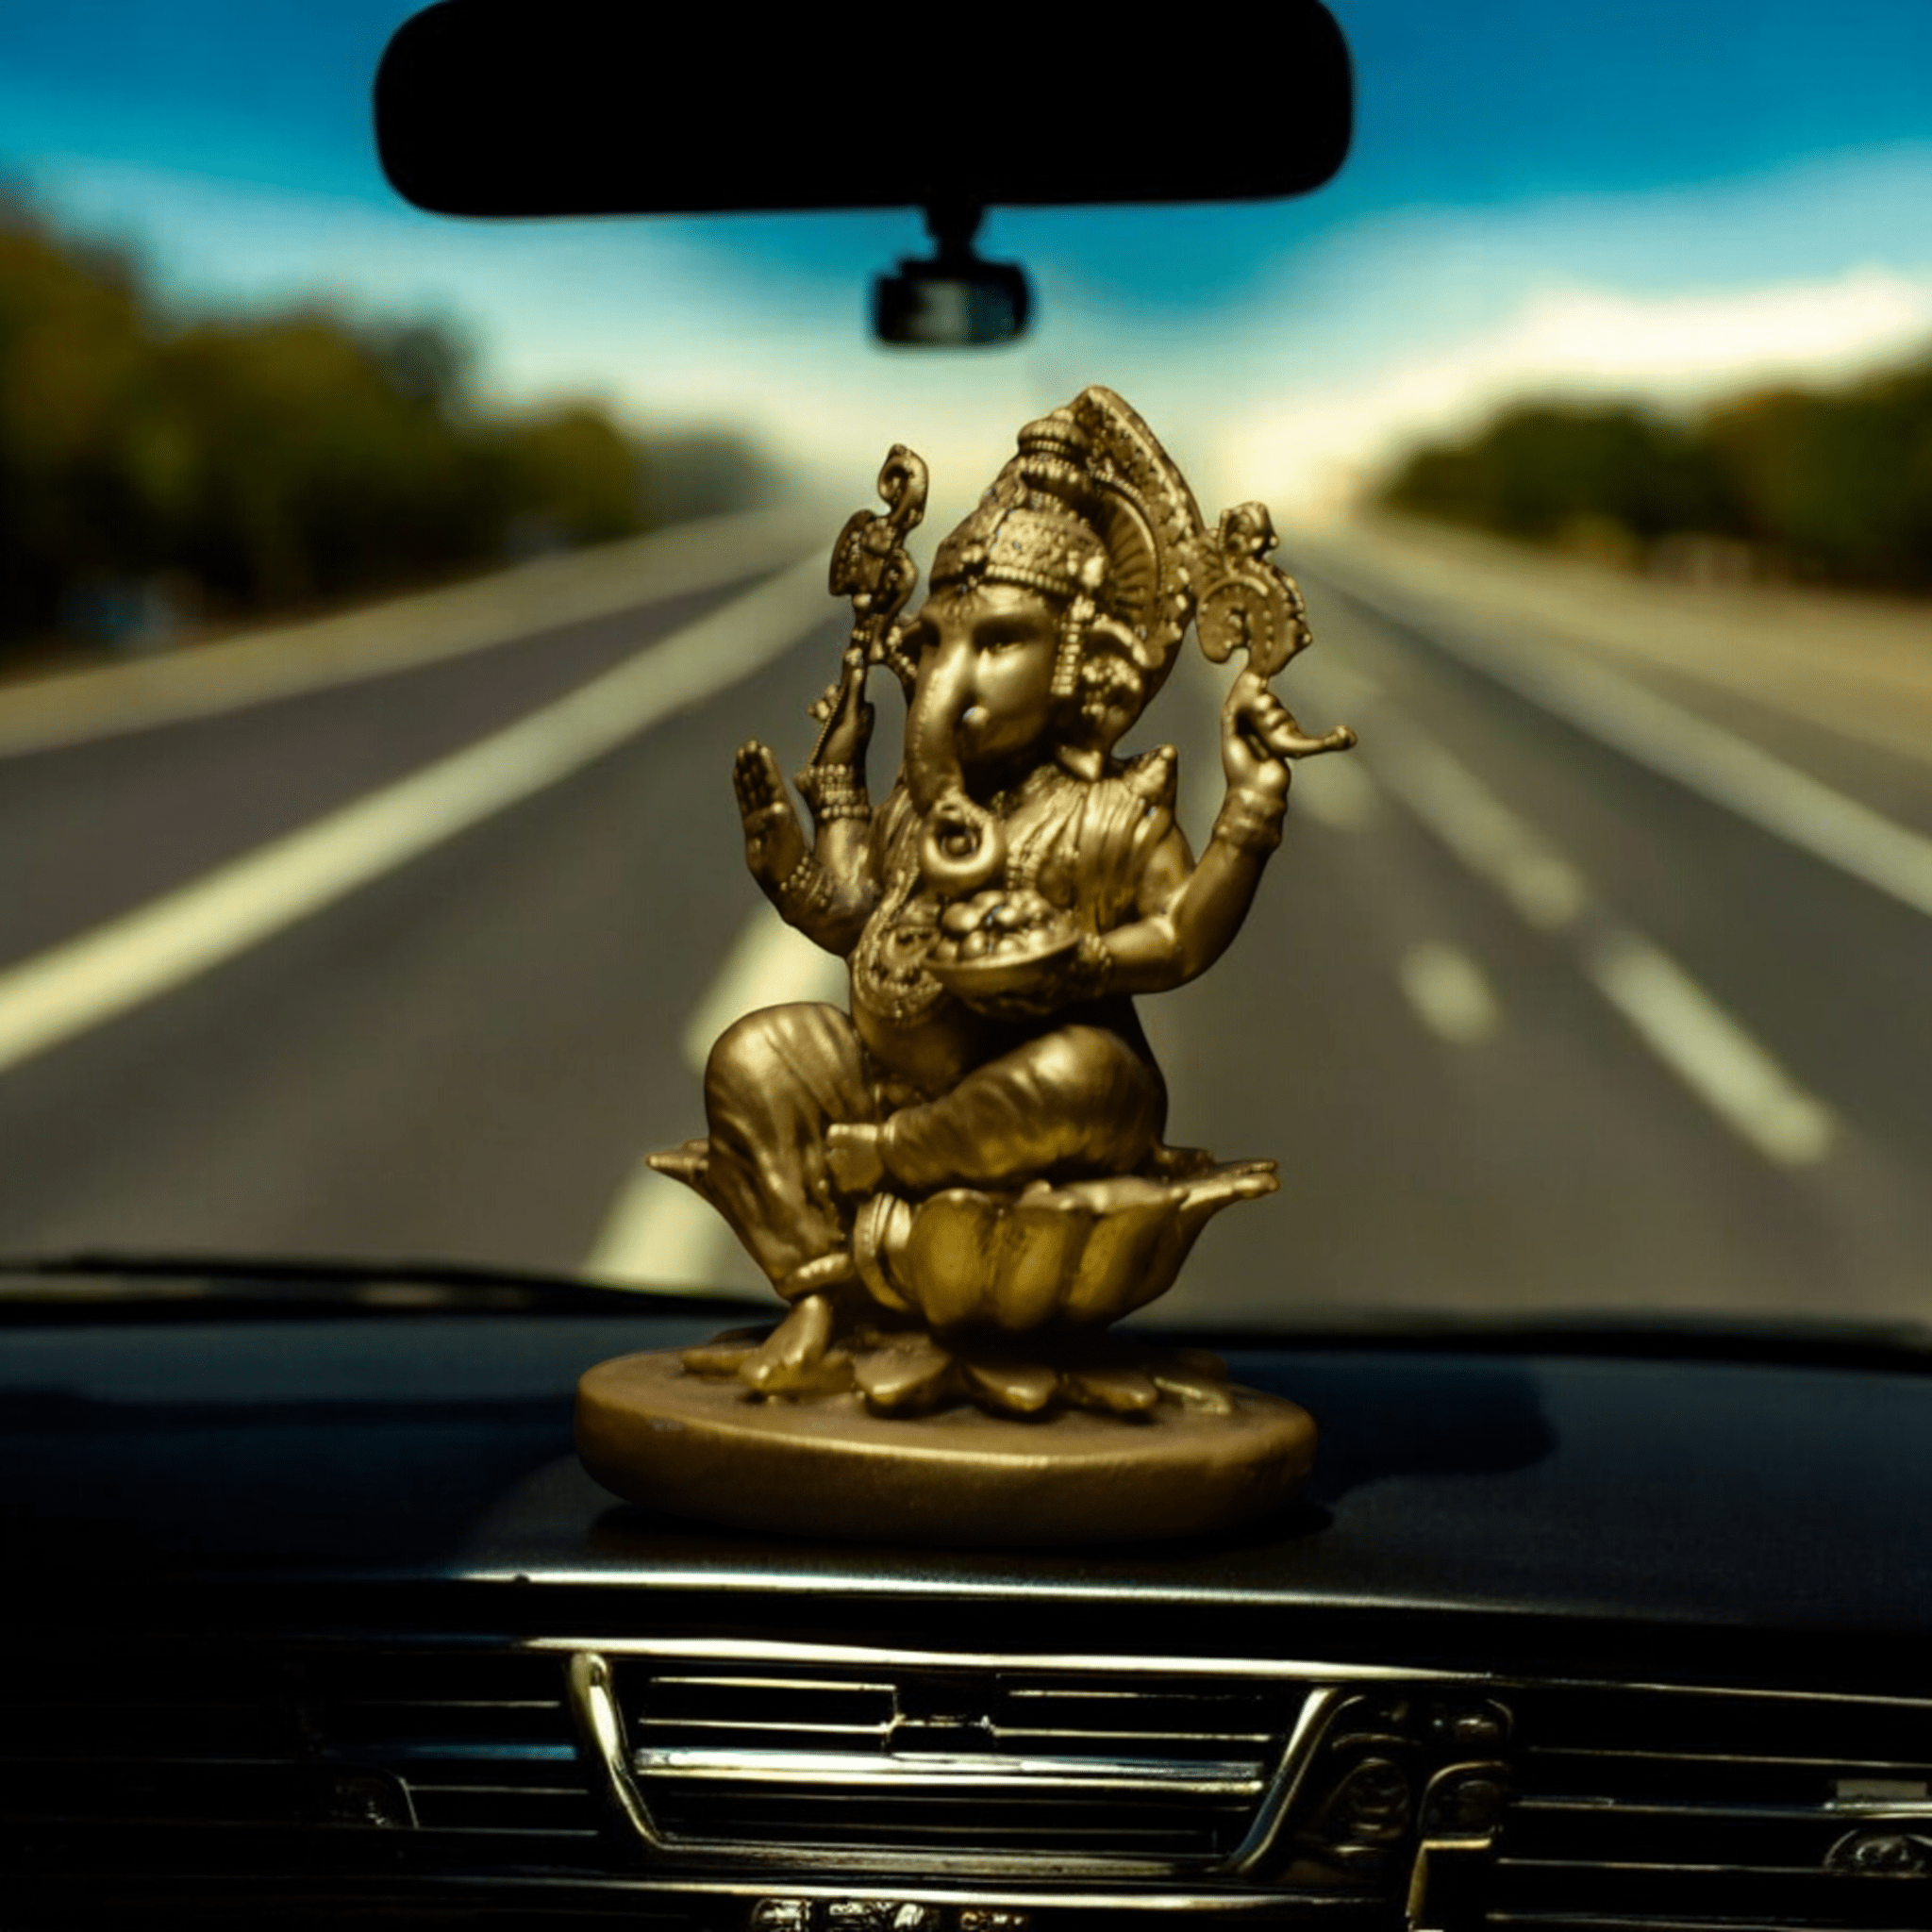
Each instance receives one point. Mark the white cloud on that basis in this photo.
(1313, 446)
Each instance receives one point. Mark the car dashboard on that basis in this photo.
(318, 1616)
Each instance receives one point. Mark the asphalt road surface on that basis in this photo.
(1578, 987)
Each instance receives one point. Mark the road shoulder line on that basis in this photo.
(400, 634)
(1711, 1053)
(1728, 770)
(144, 954)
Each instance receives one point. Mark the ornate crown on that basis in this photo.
(1092, 510)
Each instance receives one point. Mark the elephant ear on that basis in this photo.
(1244, 599)
(1151, 524)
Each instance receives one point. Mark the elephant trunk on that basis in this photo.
(962, 846)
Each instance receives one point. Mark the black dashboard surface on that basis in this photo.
(427, 1450)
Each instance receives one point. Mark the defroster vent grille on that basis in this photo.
(254, 1756)
(1004, 1765)
(1680, 1810)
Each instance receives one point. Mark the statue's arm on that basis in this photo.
(1191, 911)
(1194, 912)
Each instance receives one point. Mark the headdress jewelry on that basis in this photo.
(1091, 510)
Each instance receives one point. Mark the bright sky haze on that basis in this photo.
(1659, 200)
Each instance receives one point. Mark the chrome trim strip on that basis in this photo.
(1229, 1904)
(599, 1726)
(1303, 1744)
(1888, 1699)
(600, 1729)
(727, 1650)
(733, 1650)
(1875, 1811)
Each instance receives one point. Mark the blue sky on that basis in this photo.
(1658, 199)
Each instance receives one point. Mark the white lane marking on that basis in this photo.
(1712, 1053)
(1486, 835)
(1340, 683)
(1709, 1050)
(200, 680)
(658, 1233)
(770, 964)
(1339, 792)
(1773, 795)
(1450, 993)
(159, 946)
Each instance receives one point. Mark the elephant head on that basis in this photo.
(1057, 609)
(982, 702)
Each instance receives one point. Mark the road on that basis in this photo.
(1553, 999)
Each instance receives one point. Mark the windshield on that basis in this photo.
(382, 600)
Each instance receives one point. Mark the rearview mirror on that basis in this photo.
(956, 299)
(589, 108)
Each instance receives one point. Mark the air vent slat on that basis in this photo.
(988, 1771)
(304, 1744)
(1067, 1829)
(1012, 1763)
(1661, 1808)
(1706, 1900)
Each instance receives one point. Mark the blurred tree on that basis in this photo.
(1834, 488)
(298, 467)
(569, 477)
(73, 343)
(1539, 468)
(704, 473)
(262, 463)
(1831, 486)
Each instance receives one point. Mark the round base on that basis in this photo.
(706, 1447)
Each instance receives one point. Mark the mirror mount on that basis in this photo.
(954, 298)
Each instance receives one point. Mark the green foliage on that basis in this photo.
(1538, 469)
(257, 464)
(572, 477)
(1830, 487)
(1839, 487)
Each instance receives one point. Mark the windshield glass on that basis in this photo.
(382, 600)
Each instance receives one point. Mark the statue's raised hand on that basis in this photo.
(773, 842)
(1258, 735)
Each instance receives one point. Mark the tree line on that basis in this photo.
(156, 469)
(1813, 485)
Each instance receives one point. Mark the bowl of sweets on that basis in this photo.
(997, 940)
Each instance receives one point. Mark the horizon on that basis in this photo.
(1490, 239)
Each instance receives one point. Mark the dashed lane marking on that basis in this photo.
(1544, 887)
(770, 964)
(1756, 786)
(1339, 793)
(1450, 993)
(151, 951)
(660, 1235)
(1709, 1050)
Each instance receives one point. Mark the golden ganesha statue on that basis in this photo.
(958, 1183)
